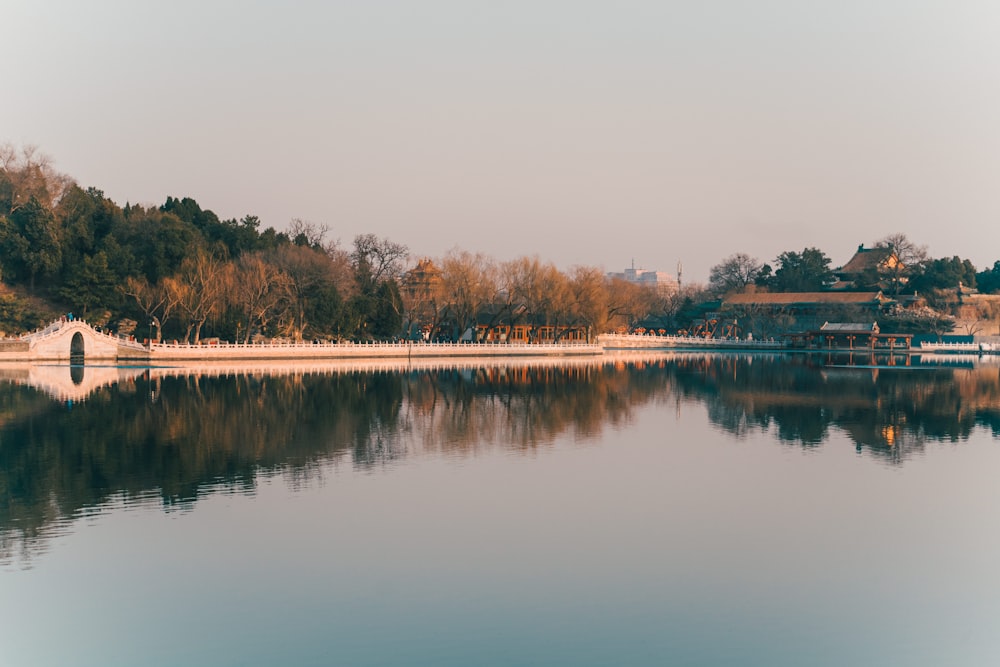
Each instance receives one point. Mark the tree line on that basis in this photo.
(929, 295)
(809, 270)
(178, 267)
(178, 271)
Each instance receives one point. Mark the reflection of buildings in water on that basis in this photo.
(888, 439)
(931, 406)
(893, 411)
(864, 402)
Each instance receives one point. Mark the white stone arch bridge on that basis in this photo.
(68, 340)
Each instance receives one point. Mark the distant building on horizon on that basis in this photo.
(658, 280)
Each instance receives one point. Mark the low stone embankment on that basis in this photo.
(163, 352)
(636, 341)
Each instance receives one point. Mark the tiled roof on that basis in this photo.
(802, 298)
(864, 259)
(849, 327)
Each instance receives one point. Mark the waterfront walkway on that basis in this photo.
(76, 340)
(373, 350)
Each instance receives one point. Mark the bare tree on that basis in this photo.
(734, 273)
(590, 296)
(508, 296)
(908, 256)
(340, 269)
(671, 307)
(559, 308)
(378, 259)
(628, 304)
(260, 290)
(27, 173)
(978, 317)
(469, 283)
(157, 301)
(538, 288)
(307, 269)
(199, 290)
(304, 233)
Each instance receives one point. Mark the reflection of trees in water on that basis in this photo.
(195, 432)
(891, 412)
(462, 410)
(178, 437)
(182, 436)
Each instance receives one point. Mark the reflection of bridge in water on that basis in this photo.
(70, 384)
(76, 382)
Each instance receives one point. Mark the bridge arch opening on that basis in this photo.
(76, 349)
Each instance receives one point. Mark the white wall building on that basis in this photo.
(659, 280)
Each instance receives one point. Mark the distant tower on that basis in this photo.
(680, 270)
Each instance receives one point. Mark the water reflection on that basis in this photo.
(889, 410)
(175, 434)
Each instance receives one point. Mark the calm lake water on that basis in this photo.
(674, 509)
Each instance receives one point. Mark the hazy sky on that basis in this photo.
(584, 132)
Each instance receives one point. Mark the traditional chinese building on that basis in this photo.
(852, 336)
(768, 314)
(869, 267)
(806, 303)
(422, 281)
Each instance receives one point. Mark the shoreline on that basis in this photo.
(166, 352)
(75, 340)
